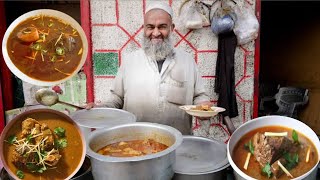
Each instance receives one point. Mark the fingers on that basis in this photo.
(208, 103)
(90, 105)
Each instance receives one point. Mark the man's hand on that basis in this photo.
(90, 105)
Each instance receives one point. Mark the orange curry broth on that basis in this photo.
(129, 148)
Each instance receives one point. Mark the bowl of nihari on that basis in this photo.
(44, 47)
(274, 147)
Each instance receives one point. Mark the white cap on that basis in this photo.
(160, 5)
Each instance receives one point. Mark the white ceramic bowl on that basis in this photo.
(214, 111)
(53, 13)
(272, 121)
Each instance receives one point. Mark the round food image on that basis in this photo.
(275, 152)
(42, 144)
(44, 47)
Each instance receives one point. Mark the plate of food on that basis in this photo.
(42, 144)
(44, 47)
(202, 110)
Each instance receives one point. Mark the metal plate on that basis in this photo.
(197, 155)
(102, 117)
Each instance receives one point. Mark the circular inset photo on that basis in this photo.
(44, 47)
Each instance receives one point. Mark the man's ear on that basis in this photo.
(172, 26)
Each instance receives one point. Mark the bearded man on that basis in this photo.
(154, 81)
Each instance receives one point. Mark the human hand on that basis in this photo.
(90, 105)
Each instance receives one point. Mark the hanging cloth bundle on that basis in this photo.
(225, 78)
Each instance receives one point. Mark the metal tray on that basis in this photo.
(197, 155)
(102, 117)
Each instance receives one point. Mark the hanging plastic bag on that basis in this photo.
(192, 15)
(222, 17)
(222, 23)
(246, 27)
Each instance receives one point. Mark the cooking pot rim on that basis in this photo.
(205, 172)
(177, 134)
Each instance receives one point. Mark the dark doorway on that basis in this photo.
(290, 52)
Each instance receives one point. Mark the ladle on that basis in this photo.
(49, 97)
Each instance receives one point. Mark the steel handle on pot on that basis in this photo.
(227, 121)
(72, 105)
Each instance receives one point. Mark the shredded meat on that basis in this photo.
(268, 149)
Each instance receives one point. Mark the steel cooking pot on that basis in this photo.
(156, 166)
(272, 121)
(199, 158)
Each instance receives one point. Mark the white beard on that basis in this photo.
(158, 51)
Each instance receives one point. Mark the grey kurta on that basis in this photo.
(155, 97)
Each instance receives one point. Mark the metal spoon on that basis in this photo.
(48, 97)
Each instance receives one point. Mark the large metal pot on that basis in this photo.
(156, 166)
(272, 121)
(199, 158)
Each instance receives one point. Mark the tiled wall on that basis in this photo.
(116, 29)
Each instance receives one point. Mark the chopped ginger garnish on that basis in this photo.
(80, 51)
(308, 154)
(284, 169)
(68, 74)
(247, 161)
(276, 133)
(58, 39)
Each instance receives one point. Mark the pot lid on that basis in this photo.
(197, 155)
(102, 117)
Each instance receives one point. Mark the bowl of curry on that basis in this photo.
(274, 147)
(44, 47)
(42, 144)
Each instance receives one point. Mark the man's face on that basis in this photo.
(157, 26)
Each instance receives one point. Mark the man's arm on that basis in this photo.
(115, 100)
(200, 95)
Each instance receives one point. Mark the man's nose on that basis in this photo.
(156, 32)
